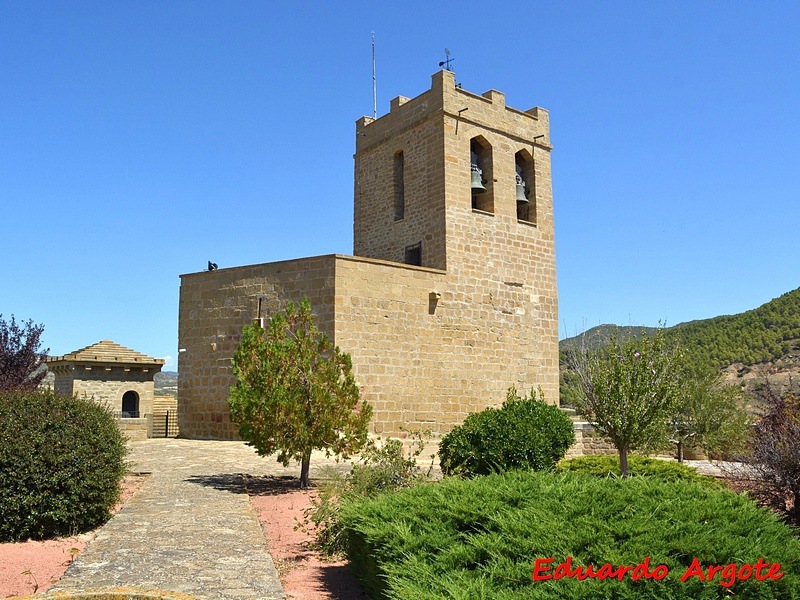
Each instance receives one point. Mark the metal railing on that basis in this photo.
(128, 414)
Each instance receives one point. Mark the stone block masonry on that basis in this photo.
(432, 341)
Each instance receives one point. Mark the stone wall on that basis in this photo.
(415, 128)
(501, 297)
(158, 419)
(423, 356)
(214, 308)
(106, 384)
(430, 344)
(135, 430)
(588, 442)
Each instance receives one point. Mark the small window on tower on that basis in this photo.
(399, 187)
(414, 254)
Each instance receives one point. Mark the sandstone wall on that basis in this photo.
(214, 307)
(107, 385)
(430, 344)
(587, 442)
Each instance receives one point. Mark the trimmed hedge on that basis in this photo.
(61, 464)
(480, 539)
(638, 466)
(522, 434)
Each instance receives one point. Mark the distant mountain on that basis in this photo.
(166, 383)
(763, 335)
(750, 346)
(600, 336)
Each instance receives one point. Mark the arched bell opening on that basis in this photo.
(481, 174)
(525, 182)
(130, 405)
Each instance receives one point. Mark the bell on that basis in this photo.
(521, 198)
(477, 180)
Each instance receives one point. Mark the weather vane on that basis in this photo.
(446, 62)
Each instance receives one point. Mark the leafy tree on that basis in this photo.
(710, 415)
(21, 359)
(295, 392)
(775, 451)
(629, 391)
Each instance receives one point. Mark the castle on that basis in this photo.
(450, 297)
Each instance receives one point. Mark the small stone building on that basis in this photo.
(115, 376)
(450, 297)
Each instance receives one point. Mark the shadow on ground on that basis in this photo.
(340, 583)
(225, 482)
(271, 485)
(241, 483)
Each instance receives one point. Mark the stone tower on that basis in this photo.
(414, 202)
(450, 297)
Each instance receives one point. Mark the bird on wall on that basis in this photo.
(212, 266)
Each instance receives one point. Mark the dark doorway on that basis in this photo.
(130, 405)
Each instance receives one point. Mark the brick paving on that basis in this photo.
(190, 529)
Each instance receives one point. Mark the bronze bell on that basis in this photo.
(477, 180)
(521, 198)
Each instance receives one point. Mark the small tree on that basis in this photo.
(21, 360)
(629, 391)
(295, 392)
(775, 451)
(710, 415)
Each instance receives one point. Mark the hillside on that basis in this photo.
(600, 336)
(763, 335)
(750, 346)
(166, 383)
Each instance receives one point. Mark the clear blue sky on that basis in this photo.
(138, 140)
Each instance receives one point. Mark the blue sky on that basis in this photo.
(138, 140)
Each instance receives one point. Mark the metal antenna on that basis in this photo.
(446, 62)
(374, 82)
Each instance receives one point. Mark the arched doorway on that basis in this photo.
(130, 405)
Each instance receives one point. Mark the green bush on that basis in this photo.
(522, 434)
(381, 468)
(642, 466)
(61, 464)
(480, 539)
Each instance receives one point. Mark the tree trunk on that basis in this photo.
(680, 451)
(304, 469)
(623, 462)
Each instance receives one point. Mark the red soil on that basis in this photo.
(280, 505)
(28, 567)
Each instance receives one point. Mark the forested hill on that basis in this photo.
(767, 334)
(762, 335)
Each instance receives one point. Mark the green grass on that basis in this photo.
(638, 466)
(479, 539)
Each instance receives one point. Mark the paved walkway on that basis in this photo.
(189, 529)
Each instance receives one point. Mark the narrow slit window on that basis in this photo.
(399, 187)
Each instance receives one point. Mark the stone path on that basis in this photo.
(189, 529)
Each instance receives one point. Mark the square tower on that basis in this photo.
(451, 295)
(451, 176)
(461, 182)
